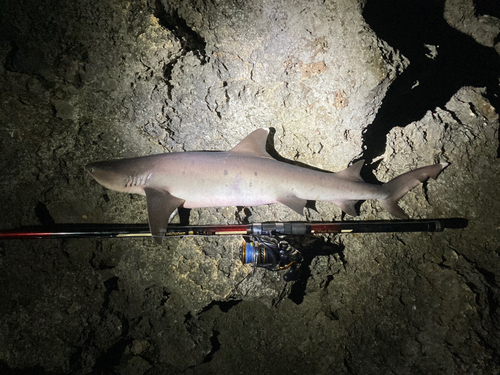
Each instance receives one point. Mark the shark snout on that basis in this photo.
(89, 169)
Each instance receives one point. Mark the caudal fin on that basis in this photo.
(399, 186)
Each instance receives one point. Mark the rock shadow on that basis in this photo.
(442, 60)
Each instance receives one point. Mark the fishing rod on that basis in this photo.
(256, 229)
(264, 250)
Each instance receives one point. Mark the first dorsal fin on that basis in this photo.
(352, 173)
(253, 144)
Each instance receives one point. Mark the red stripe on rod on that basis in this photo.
(21, 235)
(325, 228)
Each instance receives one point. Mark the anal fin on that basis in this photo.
(296, 204)
(347, 206)
(161, 205)
(392, 207)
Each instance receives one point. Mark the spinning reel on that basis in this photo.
(271, 254)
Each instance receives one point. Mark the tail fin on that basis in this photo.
(399, 186)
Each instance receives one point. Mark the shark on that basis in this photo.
(246, 175)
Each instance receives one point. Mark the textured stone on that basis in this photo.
(337, 81)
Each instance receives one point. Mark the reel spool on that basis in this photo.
(271, 254)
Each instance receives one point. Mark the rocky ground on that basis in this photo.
(400, 84)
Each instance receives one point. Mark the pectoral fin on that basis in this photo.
(294, 203)
(161, 204)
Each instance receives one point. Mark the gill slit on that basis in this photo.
(137, 180)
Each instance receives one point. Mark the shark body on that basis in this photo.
(244, 176)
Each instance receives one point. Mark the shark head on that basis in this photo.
(106, 174)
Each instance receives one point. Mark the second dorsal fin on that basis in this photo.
(352, 173)
(253, 144)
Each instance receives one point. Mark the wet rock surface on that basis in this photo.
(400, 86)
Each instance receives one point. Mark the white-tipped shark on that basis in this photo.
(244, 176)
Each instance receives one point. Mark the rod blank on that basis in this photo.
(289, 228)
